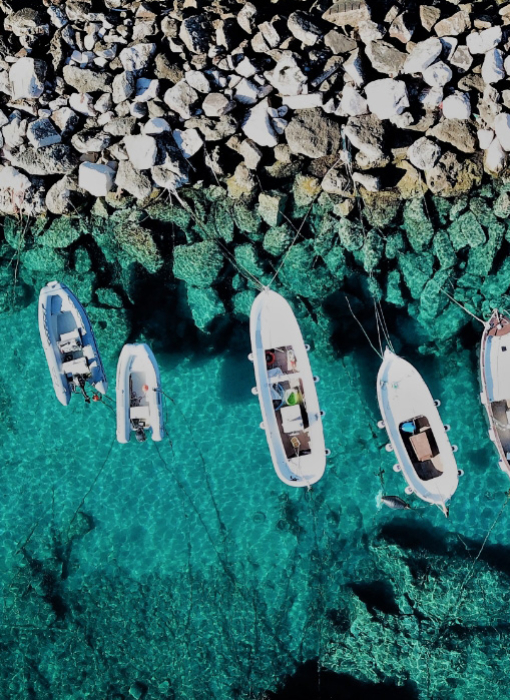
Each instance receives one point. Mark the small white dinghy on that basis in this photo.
(495, 378)
(69, 343)
(416, 431)
(286, 391)
(139, 399)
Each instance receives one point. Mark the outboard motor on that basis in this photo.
(80, 378)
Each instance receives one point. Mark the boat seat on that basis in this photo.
(292, 420)
(70, 342)
(78, 366)
(421, 446)
(140, 413)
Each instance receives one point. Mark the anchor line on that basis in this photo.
(230, 575)
(221, 524)
(98, 474)
(362, 329)
(470, 313)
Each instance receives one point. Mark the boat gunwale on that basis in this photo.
(488, 404)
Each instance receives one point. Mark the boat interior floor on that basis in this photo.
(501, 415)
(422, 449)
(302, 436)
(284, 359)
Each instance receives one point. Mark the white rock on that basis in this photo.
(42, 133)
(424, 153)
(402, 121)
(142, 151)
(15, 131)
(65, 119)
(313, 99)
(257, 125)
(12, 179)
(96, 178)
(457, 106)
(123, 87)
(370, 31)
(485, 138)
(251, 153)
(246, 68)
(26, 78)
(481, 42)
(188, 140)
(137, 57)
(438, 74)
(57, 17)
(104, 103)
(138, 110)
(502, 129)
(168, 179)
(495, 158)
(181, 98)
(352, 102)
(105, 117)
(279, 125)
(450, 43)
(157, 125)
(197, 80)
(354, 68)
(387, 97)
(492, 68)
(370, 182)
(423, 55)
(287, 77)
(82, 102)
(431, 98)
(146, 89)
(246, 92)
(216, 104)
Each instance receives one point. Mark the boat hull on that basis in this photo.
(138, 393)
(425, 457)
(299, 457)
(495, 381)
(60, 313)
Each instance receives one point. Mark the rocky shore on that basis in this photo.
(108, 99)
(199, 148)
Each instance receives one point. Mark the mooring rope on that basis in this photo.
(363, 330)
(98, 474)
(221, 524)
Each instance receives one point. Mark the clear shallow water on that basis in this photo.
(203, 575)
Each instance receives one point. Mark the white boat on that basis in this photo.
(286, 390)
(495, 378)
(416, 432)
(69, 343)
(139, 398)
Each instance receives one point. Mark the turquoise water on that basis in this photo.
(188, 570)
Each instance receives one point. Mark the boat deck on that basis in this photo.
(499, 325)
(295, 442)
(422, 449)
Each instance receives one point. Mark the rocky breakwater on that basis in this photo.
(105, 99)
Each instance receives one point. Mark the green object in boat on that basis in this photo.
(292, 399)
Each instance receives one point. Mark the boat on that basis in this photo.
(69, 343)
(416, 432)
(285, 385)
(495, 380)
(139, 397)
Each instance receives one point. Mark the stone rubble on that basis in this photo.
(191, 92)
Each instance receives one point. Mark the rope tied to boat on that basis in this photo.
(98, 474)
